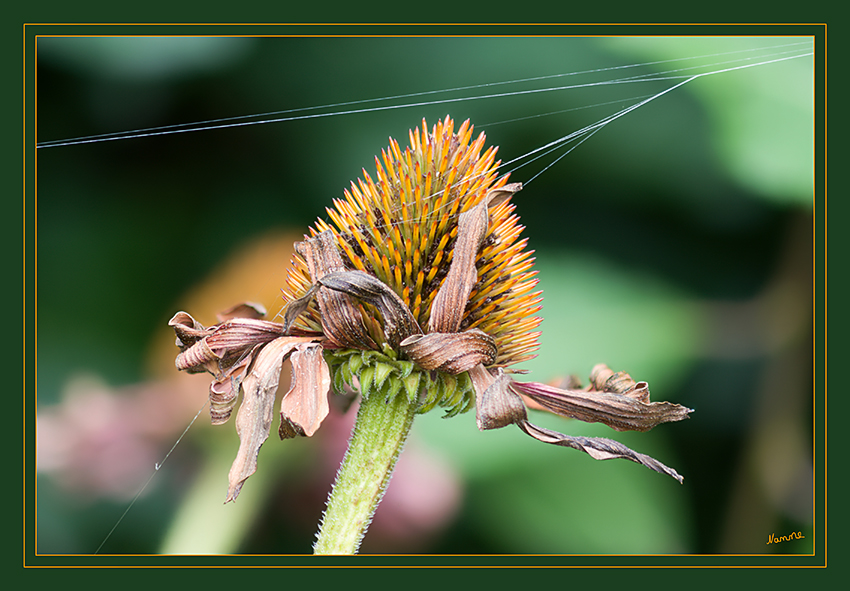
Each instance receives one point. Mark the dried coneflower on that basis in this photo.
(418, 293)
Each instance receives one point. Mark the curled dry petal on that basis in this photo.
(498, 196)
(452, 353)
(225, 350)
(221, 344)
(498, 405)
(225, 388)
(398, 320)
(602, 378)
(187, 329)
(341, 319)
(305, 406)
(253, 421)
(189, 332)
(198, 357)
(621, 412)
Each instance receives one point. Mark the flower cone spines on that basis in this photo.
(402, 227)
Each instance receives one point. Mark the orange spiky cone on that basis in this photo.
(402, 227)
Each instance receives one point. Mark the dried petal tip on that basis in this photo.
(599, 448)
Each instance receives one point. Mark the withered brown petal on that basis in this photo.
(450, 301)
(399, 322)
(236, 335)
(305, 406)
(225, 388)
(296, 307)
(187, 329)
(496, 405)
(254, 418)
(598, 448)
(498, 196)
(453, 353)
(452, 297)
(619, 411)
(197, 358)
(225, 343)
(341, 319)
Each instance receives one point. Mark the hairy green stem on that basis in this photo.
(376, 442)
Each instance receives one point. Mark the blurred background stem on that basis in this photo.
(200, 525)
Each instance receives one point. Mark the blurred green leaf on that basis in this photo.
(597, 312)
(534, 498)
(762, 117)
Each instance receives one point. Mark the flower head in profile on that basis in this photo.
(419, 285)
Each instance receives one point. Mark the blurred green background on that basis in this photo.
(675, 244)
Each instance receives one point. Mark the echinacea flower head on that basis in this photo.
(436, 228)
(420, 285)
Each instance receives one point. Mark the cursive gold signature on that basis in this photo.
(771, 539)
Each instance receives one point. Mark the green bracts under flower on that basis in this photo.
(373, 373)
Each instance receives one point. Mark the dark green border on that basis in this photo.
(30, 559)
(400, 29)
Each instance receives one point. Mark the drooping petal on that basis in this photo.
(253, 421)
(498, 405)
(225, 350)
(224, 389)
(599, 448)
(214, 348)
(450, 301)
(621, 412)
(305, 406)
